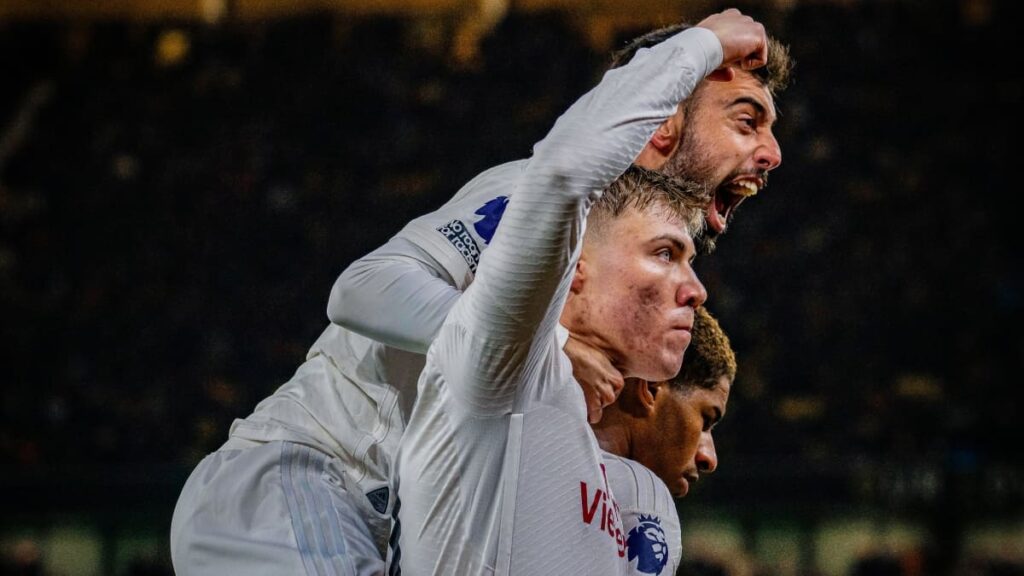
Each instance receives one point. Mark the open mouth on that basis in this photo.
(727, 198)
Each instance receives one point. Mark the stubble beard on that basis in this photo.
(691, 162)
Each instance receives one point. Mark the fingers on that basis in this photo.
(617, 383)
(725, 74)
(759, 57)
(752, 63)
(600, 396)
(744, 40)
(603, 394)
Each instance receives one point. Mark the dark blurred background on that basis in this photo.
(181, 182)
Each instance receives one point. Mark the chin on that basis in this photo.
(667, 369)
(681, 489)
(658, 362)
(673, 364)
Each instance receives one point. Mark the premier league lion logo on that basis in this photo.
(491, 212)
(646, 542)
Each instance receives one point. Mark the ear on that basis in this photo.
(638, 397)
(665, 137)
(663, 143)
(650, 394)
(580, 275)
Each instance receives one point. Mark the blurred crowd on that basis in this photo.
(177, 198)
(183, 198)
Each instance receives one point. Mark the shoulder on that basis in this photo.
(465, 225)
(628, 477)
(501, 178)
(635, 486)
(649, 517)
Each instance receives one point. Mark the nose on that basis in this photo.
(707, 458)
(692, 292)
(768, 155)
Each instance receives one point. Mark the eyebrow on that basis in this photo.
(679, 244)
(757, 104)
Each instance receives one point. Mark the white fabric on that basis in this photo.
(398, 274)
(650, 521)
(287, 509)
(499, 427)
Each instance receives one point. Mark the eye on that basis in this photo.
(665, 254)
(710, 420)
(748, 123)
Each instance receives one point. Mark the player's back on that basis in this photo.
(349, 399)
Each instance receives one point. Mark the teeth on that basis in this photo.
(744, 188)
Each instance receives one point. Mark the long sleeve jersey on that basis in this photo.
(499, 470)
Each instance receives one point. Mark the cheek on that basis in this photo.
(689, 439)
(701, 158)
(678, 449)
(642, 310)
(720, 144)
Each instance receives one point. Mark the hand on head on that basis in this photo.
(744, 42)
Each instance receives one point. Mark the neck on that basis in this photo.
(613, 433)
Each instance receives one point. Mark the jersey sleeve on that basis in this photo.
(401, 293)
(486, 347)
(458, 233)
(398, 295)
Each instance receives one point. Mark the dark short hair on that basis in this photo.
(709, 356)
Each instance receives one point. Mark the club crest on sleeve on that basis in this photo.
(647, 544)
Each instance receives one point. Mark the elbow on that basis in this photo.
(341, 301)
(557, 171)
(564, 183)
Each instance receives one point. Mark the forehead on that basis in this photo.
(637, 230)
(653, 220)
(717, 396)
(743, 88)
(721, 391)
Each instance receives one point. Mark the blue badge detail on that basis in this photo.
(491, 212)
(646, 542)
(379, 499)
(456, 233)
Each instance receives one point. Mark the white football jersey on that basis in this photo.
(499, 471)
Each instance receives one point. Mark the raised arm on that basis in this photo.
(401, 293)
(487, 342)
(397, 295)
